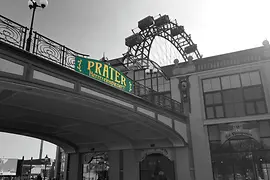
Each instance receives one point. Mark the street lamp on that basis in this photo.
(33, 5)
(151, 70)
(46, 159)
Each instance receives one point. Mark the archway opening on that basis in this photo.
(96, 166)
(156, 166)
(26, 157)
(240, 157)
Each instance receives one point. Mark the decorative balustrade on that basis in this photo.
(156, 98)
(12, 32)
(53, 51)
(15, 34)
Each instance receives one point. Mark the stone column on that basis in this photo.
(131, 165)
(181, 164)
(200, 144)
(74, 167)
(114, 161)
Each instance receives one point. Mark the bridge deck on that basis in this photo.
(42, 99)
(15, 34)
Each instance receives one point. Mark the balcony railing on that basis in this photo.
(157, 98)
(15, 34)
(53, 51)
(12, 32)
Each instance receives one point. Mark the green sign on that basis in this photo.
(103, 72)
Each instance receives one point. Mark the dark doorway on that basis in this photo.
(156, 167)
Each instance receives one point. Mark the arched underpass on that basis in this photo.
(41, 99)
(77, 123)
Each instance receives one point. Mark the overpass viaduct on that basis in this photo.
(45, 98)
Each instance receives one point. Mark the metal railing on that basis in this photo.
(15, 34)
(53, 51)
(157, 98)
(12, 32)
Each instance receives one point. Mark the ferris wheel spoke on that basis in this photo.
(163, 52)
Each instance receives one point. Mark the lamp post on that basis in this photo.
(34, 5)
(151, 70)
(30, 171)
(46, 159)
(21, 174)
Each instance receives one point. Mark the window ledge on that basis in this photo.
(237, 119)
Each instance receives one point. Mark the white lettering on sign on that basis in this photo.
(238, 130)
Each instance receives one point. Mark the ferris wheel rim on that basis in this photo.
(142, 50)
(148, 36)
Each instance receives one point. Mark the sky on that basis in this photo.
(97, 26)
(16, 146)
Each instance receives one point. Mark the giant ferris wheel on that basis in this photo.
(157, 42)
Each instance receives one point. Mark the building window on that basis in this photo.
(139, 75)
(234, 95)
(163, 84)
(240, 151)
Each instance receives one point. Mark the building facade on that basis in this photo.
(228, 109)
(227, 100)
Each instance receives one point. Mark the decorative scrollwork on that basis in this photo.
(12, 32)
(55, 52)
(47, 48)
(69, 58)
